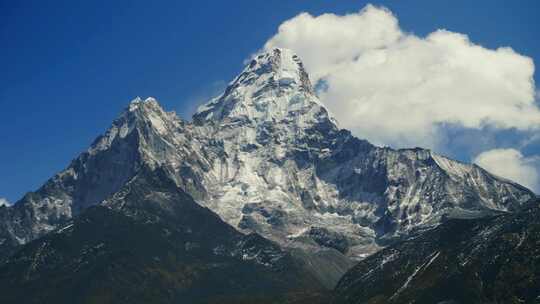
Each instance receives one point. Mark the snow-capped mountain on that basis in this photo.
(291, 173)
(267, 157)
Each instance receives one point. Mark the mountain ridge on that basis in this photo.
(267, 157)
(489, 260)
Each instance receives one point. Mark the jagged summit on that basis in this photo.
(283, 65)
(273, 87)
(144, 115)
(138, 101)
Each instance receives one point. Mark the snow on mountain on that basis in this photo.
(4, 202)
(273, 87)
(267, 156)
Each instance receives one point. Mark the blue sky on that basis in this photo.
(69, 68)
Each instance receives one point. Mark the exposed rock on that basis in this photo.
(489, 260)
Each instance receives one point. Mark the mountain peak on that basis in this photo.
(283, 65)
(274, 86)
(149, 110)
(139, 102)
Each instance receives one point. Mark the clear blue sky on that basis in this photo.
(69, 67)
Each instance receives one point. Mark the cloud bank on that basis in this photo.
(510, 163)
(441, 91)
(398, 89)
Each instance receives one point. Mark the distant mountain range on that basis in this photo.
(261, 198)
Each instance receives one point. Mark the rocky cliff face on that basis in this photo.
(489, 260)
(267, 157)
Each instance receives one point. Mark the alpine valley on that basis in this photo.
(262, 198)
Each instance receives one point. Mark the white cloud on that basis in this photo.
(4, 202)
(510, 163)
(398, 89)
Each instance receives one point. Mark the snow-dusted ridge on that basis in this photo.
(267, 156)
